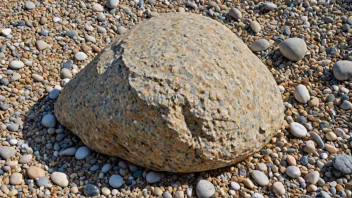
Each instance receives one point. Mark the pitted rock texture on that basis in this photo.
(179, 93)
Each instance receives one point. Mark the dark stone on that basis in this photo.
(301, 120)
(91, 190)
(330, 98)
(304, 160)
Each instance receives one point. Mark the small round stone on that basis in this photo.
(293, 49)
(260, 45)
(81, 56)
(205, 189)
(235, 186)
(13, 127)
(59, 178)
(82, 152)
(29, 5)
(71, 33)
(49, 121)
(91, 190)
(16, 178)
(293, 171)
(116, 181)
(301, 94)
(298, 130)
(260, 178)
(121, 29)
(105, 191)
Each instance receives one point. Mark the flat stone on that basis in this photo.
(342, 70)
(6, 32)
(13, 127)
(7, 152)
(37, 77)
(301, 94)
(235, 13)
(309, 147)
(153, 177)
(105, 191)
(346, 105)
(343, 163)
(205, 189)
(317, 139)
(82, 152)
(260, 178)
(71, 33)
(59, 178)
(49, 121)
(35, 172)
(255, 26)
(235, 186)
(81, 56)
(260, 45)
(293, 171)
(298, 130)
(68, 152)
(41, 45)
(16, 178)
(91, 190)
(42, 181)
(270, 6)
(112, 4)
(116, 181)
(312, 177)
(16, 64)
(293, 49)
(94, 94)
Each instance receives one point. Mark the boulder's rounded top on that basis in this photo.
(181, 83)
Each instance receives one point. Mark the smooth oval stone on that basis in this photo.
(82, 152)
(42, 181)
(116, 181)
(7, 152)
(91, 190)
(278, 188)
(260, 45)
(293, 171)
(59, 178)
(293, 49)
(153, 177)
(235, 13)
(81, 56)
(16, 65)
(112, 4)
(205, 189)
(49, 121)
(255, 26)
(298, 130)
(301, 94)
(260, 178)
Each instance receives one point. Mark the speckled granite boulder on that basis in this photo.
(179, 93)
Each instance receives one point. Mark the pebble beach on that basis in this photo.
(305, 44)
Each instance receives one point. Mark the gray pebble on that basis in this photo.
(7, 152)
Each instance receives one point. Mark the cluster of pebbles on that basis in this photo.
(306, 44)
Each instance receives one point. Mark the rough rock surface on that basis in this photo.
(177, 93)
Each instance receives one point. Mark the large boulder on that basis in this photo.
(179, 93)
